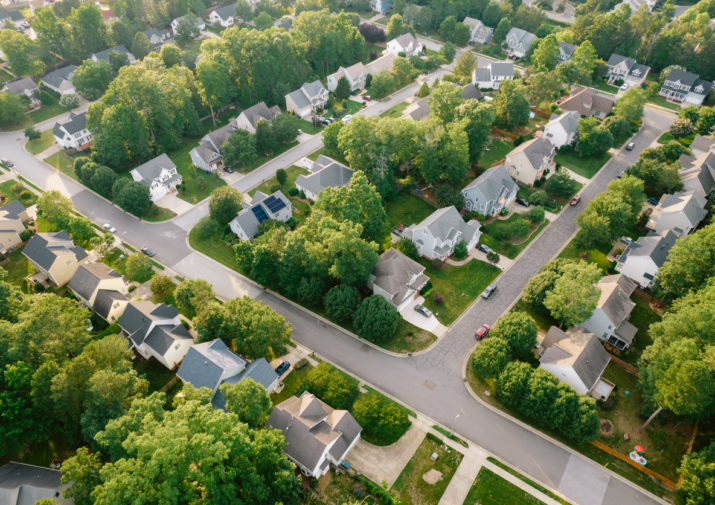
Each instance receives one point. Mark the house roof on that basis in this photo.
(353, 71)
(419, 109)
(701, 143)
(104, 55)
(105, 299)
(445, 223)
(685, 77)
(492, 182)
(306, 95)
(161, 33)
(138, 318)
(22, 484)
(472, 23)
(259, 112)
(615, 298)
(178, 20)
(587, 102)
(44, 248)
(685, 203)
(257, 211)
(87, 277)
(394, 273)
(310, 425)
(13, 209)
(578, 349)
(482, 74)
(567, 49)
(634, 68)
(19, 85)
(152, 169)
(502, 69)
(55, 78)
(535, 150)
(259, 370)
(471, 92)
(405, 40)
(697, 170)
(329, 174)
(221, 135)
(653, 245)
(14, 16)
(568, 121)
(206, 151)
(75, 123)
(522, 36)
(205, 363)
(226, 11)
(381, 64)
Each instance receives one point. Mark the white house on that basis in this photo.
(325, 173)
(636, 4)
(156, 331)
(518, 42)
(104, 55)
(159, 175)
(224, 16)
(609, 321)
(489, 193)
(405, 43)
(438, 234)
(628, 70)
(492, 75)
(530, 160)
(397, 278)
(248, 119)
(207, 156)
(355, 75)
(479, 33)
(642, 258)
(200, 25)
(577, 358)
(158, 37)
(316, 435)
(381, 6)
(261, 208)
(73, 133)
(60, 80)
(309, 98)
(101, 289)
(685, 87)
(680, 213)
(561, 130)
(24, 86)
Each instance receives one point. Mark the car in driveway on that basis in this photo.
(523, 202)
(482, 332)
(484, 248)
(7, 162)
(325, 122)
(630, 146)
(109, 228)
(652, 200)
(575, 200)
(147, 251)
(282, 368)
(423, 310)
(489, 291)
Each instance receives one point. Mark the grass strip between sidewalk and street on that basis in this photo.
(526, 479)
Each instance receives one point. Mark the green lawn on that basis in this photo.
(641, 317)
(46, 112)
(514, 245)
(196, 184)
(602, 86)
(63, 163)
(489, 50)
(409, 338)
(155, 214)
(597, 256)
(498, 149)
(412, 488)
(38, 145)
(458, 285)
(153, 371)
(308, 128)
(213, 246)
(343, 108)
(491, 489)
(301, 209)
(395, 111)
(13, 190)
(17, 267)
(291, 384)
(659, 100)
(586, 167)
(370, 48)
(407, 209)
(260, 160)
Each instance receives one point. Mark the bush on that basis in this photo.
(460, 250)
(26, 234)
(224, 204)
(519, 227)
(490, 357)
(311, 291)
(438, 299)
(161, 284)
(408, 248)
(383, 421)
(535, 214)
(206, 228)
(293, 191)
(31, 133)
(539, 197)
(376, 319)
(138, 268)
(493, 257)
(446, 195)
(341, 302)
(281, 176)
(331, 385)
(426, 289)
(519, 330)
(26, 194)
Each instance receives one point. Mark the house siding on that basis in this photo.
(566, 374)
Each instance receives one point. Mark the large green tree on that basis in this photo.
(331, 385)
(376, 319)
(573, 297)
(511, 104)
(224, 204)
(490, 357)
(248, 400)
(690, 264)
(381, 419)
(92, 78)
(519, 330)
(697, 471)
(546, 55)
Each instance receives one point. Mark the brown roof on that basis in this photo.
(588, 102)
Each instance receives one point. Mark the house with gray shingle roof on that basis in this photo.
(479, 33)
(561, 130)
(471, 92)
(701, 145)
(101, 289)
(397, 278)
(355, 75)
(159, 175)
(316, 435)
(54, 255)
(104, 55)
(609, 321)
(697, 173)
(685, 87)
(680, 213)
(577, 358)
(60, 80)
(324, 173)
(12, 223)
(207, 155)
(155, 331)
(224, 16)
(489, 193)
(212, 363)
(73, 133)
(158, 37)
(249, 118)
(24, 86)
(628, 70)
(262, 207)
(566, 51)
(437, 235)
(530, 160)
(23, 484)
(309, 98)
(642, 258)
(518, 42)
(405, 43)
(418, 110)
(493, 74)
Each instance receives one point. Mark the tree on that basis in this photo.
(224, 204)
(82, 470)
(134, 197)
(519, 330)
(285, 127)
(706, 122)
(447, 51)
(341, 302)
(536, 214)
(630, 104)
(102, 180)
(501, 30)
(395, 27)
(464, 67)
(161, 284)
(248, 400)
(31, 133)
(240, 148)
(117, 60)
(332, 386)
(539, 396)
(573, 297)
(244, 10)
(54, 206)
(92, 78)
(617, 125)
(543, 87)
(657, 175)
(12, 109)
(191, 295)
(138, 267)
(511, 105)
(546, 54)
(21, 420)
(343, 90)
(443, 100)
(89, 31)
(490, 357)
(69, 101)
(689, 265)
(561, 184)
(697, 484)
(592, 139)
(582, 423)
(170, 55)
(536, 288)
(383, 83)
(21, 53)
(511, 384)
(330, 137)
(381, 419)
(681, 127)
(492, 14)
(187, 29)
(265, 138)
(214, 83)
(263, 21)
(376, 319)
(12, 300)
(141, 46)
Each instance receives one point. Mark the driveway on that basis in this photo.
(430, 323)
(174, 203)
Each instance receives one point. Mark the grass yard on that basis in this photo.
(513, 246)
(153, 371)
(196, 185)
(291, 384)
(308, 128)
(13, 190)
(586, 167)
(17, 267)
(641, 317)
(492, 50)
(212, 245)
(36, 146)
(63, 163)
(395, 111)
(596, 256)
(344, 488)
(261, 159)
(412, 488)
(155, 214)
(662, 102)
(4, 75)
(458, 285)
(407, 209)
(495, 152)
(541, 316)
(409, 338)
(527, 480)
(46, 112)
(343, 108)
(491, 489)
(301, 208)
(369, 48)
(602, 86)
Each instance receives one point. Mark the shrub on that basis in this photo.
(31, 133)
(311, 291)
(161, 284)
(493, 257)
(293, 191)
(460, 250)
(539, 198)
(205, 228)
(446, 195)
(681, 127)
(408, 248)
(519, 330)
(383, 421)
(26, 194)
(535, 214)
(138, 268)
(490, 357)
(341, 302)
(331, 385)
(438, 299)
(281, 176)
(519, 227)
(26, 234)
(376, 319)
(224, 204)
(426, 289)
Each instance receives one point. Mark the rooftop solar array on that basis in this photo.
(274, 204)
(259, 213)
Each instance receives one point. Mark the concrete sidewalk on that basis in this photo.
(519, 483)
(463, 478)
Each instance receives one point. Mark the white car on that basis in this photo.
(624, 86)
(347, 118)
(109, 228)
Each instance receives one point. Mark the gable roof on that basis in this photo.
(482, 74)
(87, 277)
(535, 150)
(380, 64)
(419, 109)
(19, 85)
(14, 16)
(248, 217)
(685, 77)
(13, 209)
(502, 69)
(327, 174)
(471, 92)
(472, 22)
(259, 112)
(44, 248)
(587, 102)
(492, 182)
(701, 143)
(104, 55)
(405, 40)
(568, 121)
(566, 49)
(445, 223)
(226, 11)
(161, 33)
(522, 37)
(23, 484)
(221, 135)
(56, 77)
(74, 124)
(653, 245)
(578, 349)
(205, 363)
(394, 274)
(138, 318)
(615, 298)
(105, 299)
(152, 169)
(306, 95)
(633, 67)
(685, 203)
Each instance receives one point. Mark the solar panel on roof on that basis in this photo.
(259, 213)
(274, 204)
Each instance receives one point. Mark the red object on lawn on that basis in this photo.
(639, 448)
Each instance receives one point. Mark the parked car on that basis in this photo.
(423, 310)
(300, 132)
(109, 228)
(626, 240)
(282, 368)
(621, 173)
(7, 162)
(652, 200)
(574, 201)
(484, 248)
(228, 170)
(630, 146)
(367, 98)
(482, 332)
(325, 122)
(489, 291)
(624, 86)
(346, 119)
(523, 202)
(147, 251)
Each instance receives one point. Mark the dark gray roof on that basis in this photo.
(482, 74)
(685, 77)
(535, 150)
(634, 68)
(14, 16)
(394, 272)
(22, 484)
(653, 245)
(19, 85)
(578, 348)
(87, 277)
(163, 34)
(205, 363)
(307, 94)
(616, 59)
(43, 248)
(56, 77)
(471, 92)
(13, 209)
(331, 175)
(152, 168)
(221, 135)
(138, 317)
(493, 183)
(567, 49)
(522, 36)
(105, 300)
(260, 111)
(104, 55)
(226, 11)
(420, 109)
(75, 123)
(162, 336)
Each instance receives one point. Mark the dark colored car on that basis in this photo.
(574, 201)
(228, 170)
(367, 98)
(489, 291)
(484, 248)
(423, 310)
(482, 332)
(630, 146)
(282, 368)
(325, 122)
(523, 202)
(652, 200)
(148, 251)
(7, 162)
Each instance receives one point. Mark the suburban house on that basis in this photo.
(479, 33)
(212, 363)
(642, 258)
(156, 331)
(492, 75)
(12, 223)
(628, 70)
(101, 289)
(262, 207)
(104, 55)
(685, 87)
(73, 133)
(418, 110)
(530, 160)
(324, 173)
(701, 144)
(24, 86)
(697, 173)
(355, 75)
(381, 64)
(681, 213)
(316, 435)
(588, 102)
(54, 256)
(60, 80)
(158, 37)
(437, 235)
(609, 321)
(397, 278)
(309, 98)
(489, 193)
(636, 4)
(471, 92)
(207, 155)
(200, 25)
(577, 358)
(561, 130)
(23, 484)
(223, 16)
(405, 43)
(566, 50)
(518, 42)
(159, 175)
(14, 17)
(381, 6)
(249, 118)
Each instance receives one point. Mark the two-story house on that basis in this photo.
(54, 256)
(73, 133)
(479, 33)
(224, 16)
(159, 175)
(697, 173)
(158, 37)
(25, 87)
(121, 49)
(60, 80)
(22, 484)
(642, 259)
(101, 289)
(628, 70)
(530, 160)
(207, 155)
(248, 119)
(492, 75)
(211, 364)
(680, 213)
(355, 75)
(561, 130)
(489, 193)
(609, 321)
(262, 207)
(325, 173)
(200, 25)
(685, 87)
(13, 217)
(405, 43)
(397, 278)
(438, 234)
(381, 6)
(518, 42)
(155, 331)
(588, 102)
(309, 98)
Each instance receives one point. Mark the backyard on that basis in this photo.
(495, 152)
(196, 184)
(407, 209)
(38, 145)
(585, 167)
(641, 317)
(17, 267)
(491, 489)
(153, 371)
(334, 488)
(342, 108)
(412, 488)
(13, 190)
(493, 233)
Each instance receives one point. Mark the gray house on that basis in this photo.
(680, 213)
(310, 97)
(609, 321)
(207, 155)
(60, 80)
(438, 234)
(104, 55)
(159, 175)
(518, 42)
(23, 484)
(158, 37)
(489, 193)
(642, 258)
(249, 118)
(262, 207)
(24, 86)
(325, 173)
(626, 69)
(697, 173)
(685, 87)
(397, 278)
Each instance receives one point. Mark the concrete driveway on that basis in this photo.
(430, 324)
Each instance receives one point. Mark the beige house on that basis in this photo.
(530, 160)
(12, 219)
(54, 256)
(397, 278)
(249, 118)
(101, 289)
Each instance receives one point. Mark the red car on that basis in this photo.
(574, 201)
(367, 98)
(482, 332)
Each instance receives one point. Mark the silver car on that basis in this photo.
(423, 310)
(488, 291)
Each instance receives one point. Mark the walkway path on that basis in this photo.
(463, 478)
